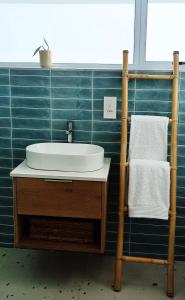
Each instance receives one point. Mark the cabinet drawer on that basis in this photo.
(56, 198)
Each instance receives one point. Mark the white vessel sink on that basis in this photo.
(65, 157)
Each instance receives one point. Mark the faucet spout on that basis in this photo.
(69, 131)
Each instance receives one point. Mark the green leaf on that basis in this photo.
(46, 42)
(37, 50)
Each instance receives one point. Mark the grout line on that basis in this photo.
(92, 107)
(11, 145)
(51, 110)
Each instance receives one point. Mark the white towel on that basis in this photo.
(149, 189)
(148, 137)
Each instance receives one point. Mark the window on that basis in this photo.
(77, 31)
(165, 29)
(93, 31)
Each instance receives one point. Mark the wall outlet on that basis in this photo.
(110, 107)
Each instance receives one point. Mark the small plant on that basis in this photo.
(44, 54)
(42, 47)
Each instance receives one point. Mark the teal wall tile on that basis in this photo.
(72, 73)
(72, 114)
(31, 80)
(98, 105)
(181, 117)
(156, 95)
(4, 90)
(23, 143)
(182, 84)
(79, 93)
(101, 93)
(72, 104)
(7, 229)
(152, 106)
(5, 122)
(17, 161)
(181, 171)
(5, 132)
(5, 153)
(6, 182)
(85, 82)
(182, 74)
(181, 128)
(60, 124)
(6, 192)
(98, 115)
(31, 134)
(4, 112)
(6, 239)
(181, 139)
(5, 172)
(28, 72)
(109, 147)
(5, 143)
(153, 84)
(31, 123)
(77, 125)
(59, 135)
(5, 163)
(107, 82)
(30, 91)
(8, 220)
(107, 73)
(182, 106)
(82, 136)
(4, 101)
(4, 71)
(107, 126)
(153, 112)
(19, 153)
(181, 150)
(30, 113)
(181, 96)
(108, 137)
(4, 80)
(30, 102)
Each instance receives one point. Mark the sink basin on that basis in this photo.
(65, 157)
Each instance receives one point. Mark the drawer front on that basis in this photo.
(58, 198)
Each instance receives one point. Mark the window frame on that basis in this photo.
(139, 47)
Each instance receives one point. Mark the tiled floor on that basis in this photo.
(30, 274)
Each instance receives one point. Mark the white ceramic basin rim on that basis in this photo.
(65, 157)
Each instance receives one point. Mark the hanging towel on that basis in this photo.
(148, 137)
(149, 189)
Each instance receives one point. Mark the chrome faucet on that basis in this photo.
(69, 131)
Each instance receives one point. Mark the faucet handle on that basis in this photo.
(69, 126)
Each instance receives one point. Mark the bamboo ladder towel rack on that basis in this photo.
(120, 258)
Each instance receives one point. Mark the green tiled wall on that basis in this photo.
(35, 105)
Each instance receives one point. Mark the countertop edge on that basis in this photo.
(23, 171)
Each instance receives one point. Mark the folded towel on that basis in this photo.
(149, 189)
(148, 137)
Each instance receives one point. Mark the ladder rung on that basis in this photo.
(145, 260)
(151, 76)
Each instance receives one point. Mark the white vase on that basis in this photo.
(45, 58)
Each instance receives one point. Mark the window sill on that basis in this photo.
(153, 66)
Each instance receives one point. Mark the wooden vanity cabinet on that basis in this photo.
(60, 214)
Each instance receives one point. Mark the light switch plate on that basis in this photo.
(110, 107)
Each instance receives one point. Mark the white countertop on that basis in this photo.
(23, 170)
